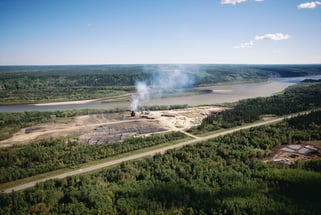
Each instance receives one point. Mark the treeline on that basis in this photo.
(225, 175)
(300, 122)
(296, 98)
(13, 122)
(52, 154)
(24, 77)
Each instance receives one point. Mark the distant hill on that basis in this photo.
(311, 80)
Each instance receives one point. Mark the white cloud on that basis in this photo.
(244, 45)
(233, 2)
(276, 36)
(309, 5)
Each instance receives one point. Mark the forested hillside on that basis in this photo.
(34, 84)
(43, 84)
(240, 73)
(225, 175)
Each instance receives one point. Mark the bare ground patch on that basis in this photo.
(113, 127)
(291, 153)
(105, 134)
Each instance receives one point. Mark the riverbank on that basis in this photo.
(79, 102)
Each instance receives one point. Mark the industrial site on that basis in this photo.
(286, 155)
(114, 127)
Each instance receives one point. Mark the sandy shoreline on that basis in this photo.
(79, 102)
(67, 103)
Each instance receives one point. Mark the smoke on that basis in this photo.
(164, 79)
(142, 95)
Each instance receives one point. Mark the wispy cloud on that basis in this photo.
(309, 5)
(244, 45)
(276, 36)
(233, 2)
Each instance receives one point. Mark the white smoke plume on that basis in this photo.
(165, 79)
(142, 95)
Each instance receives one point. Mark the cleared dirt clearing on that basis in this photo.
(113, 127)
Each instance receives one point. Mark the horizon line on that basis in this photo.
(106, 64)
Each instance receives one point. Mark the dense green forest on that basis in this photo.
(225, 175)
(33, 84)
(60, 83)
(294, 99)
(52, 154)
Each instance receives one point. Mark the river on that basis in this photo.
(219, 94)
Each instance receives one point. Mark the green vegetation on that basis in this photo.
(19, 84)
(34, 84)
(297, 98)
(10, 123)
(53, 154)
(225, 175)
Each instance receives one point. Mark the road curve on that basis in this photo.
(144, 154)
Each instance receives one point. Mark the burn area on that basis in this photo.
(106, 134)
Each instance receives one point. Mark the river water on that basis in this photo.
(217, 95)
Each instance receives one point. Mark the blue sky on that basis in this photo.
(47, 32)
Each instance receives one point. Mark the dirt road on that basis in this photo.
(144, 154)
